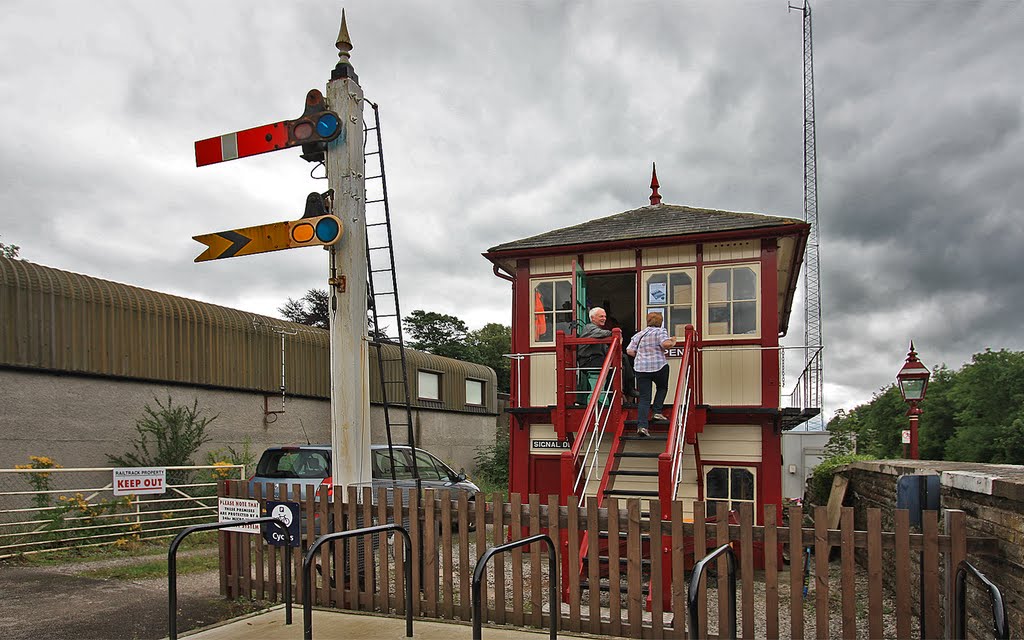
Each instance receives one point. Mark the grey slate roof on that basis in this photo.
(651, 221)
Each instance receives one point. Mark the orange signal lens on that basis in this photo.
(303, 232)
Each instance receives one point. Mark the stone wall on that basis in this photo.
(79, 420)
(992, 496)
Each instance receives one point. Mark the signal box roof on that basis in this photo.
(649, 222)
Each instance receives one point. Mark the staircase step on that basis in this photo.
(655, 435)
(638, 493)
(648, 474)
(638, 454)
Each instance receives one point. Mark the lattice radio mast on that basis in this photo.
(813, 373)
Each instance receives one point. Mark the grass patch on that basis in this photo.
(154, 568)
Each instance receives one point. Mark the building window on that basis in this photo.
(732, 300)
(729, 485)
(475, 392)
(551, 307)
(429, 385)
(669, 293)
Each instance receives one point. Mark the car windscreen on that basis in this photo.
(293, 464)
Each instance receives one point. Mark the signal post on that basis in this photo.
(329, 131)
(350, 368)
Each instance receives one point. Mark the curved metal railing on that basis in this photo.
(1000, 621)
(172, 567)
(481, 569)
(307, 578)
(698, 572)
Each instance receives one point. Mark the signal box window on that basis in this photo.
(475, 393)
(729, 485)
(731, 294)
(428, 384)
(551, 305)
(670, 293)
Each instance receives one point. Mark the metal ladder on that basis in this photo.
(383, 295)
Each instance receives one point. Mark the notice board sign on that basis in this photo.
(229, 509)
(134, 481)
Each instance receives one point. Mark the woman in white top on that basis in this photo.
(650, 365)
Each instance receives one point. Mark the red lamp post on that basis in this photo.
(913, 380)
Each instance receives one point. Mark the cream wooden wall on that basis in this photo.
(731, 376)
(732, 250)
(542, 379)
(730, 443)
(552, 264)
(606, 260)
(660, 256)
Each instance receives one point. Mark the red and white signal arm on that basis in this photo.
(134, 481)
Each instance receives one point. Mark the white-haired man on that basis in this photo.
(591, 356)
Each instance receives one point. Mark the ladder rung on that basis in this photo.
(383, 246)
(376, 224)
(373, 201)
(380, 271)
(371, 153)
(375, 177)
(386, 315)
(385, 293)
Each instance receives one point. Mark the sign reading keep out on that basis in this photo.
(133, 481)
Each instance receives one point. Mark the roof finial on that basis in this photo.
(655, 196)
(344, 43)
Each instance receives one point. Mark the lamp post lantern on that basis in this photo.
(913, 381)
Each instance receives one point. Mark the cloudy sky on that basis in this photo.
(506, 119)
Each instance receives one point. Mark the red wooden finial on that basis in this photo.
(655, 196)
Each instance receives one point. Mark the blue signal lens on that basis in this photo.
(327, 125)
(327, 230)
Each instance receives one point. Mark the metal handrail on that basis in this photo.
(1000, 620)
(307, 578)
(481, 569)
(670, 462)
(592, 415)
(698, 573)
(172, 567)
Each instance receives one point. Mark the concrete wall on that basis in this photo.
(801, 452)
(992, 496)
(79, 420)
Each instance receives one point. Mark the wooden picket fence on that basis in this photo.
(873, 598)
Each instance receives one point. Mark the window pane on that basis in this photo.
(718, 319)
(429, 385)
(474, 392)
(679, 317)
(718, 285)
(717, 483)
(426, 468)
(544, 296)
(563, 295)
(681, 290)
(657, 285)
(745, 320)
(745, 282)
(742, 484)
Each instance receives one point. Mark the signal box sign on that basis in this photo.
(305, 232)
(134, 481)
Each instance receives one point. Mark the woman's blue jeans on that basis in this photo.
(644, 380)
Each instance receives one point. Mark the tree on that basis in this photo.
(438, 333)
(9, 250)
(488, 346)
(988, 397)
(310, 309)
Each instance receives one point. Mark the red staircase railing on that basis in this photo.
(670, 462)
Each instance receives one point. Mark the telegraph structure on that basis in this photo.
(813, 374)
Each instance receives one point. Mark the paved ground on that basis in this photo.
(55, 602)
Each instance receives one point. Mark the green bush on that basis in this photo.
(492, 462)
(819, 485)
